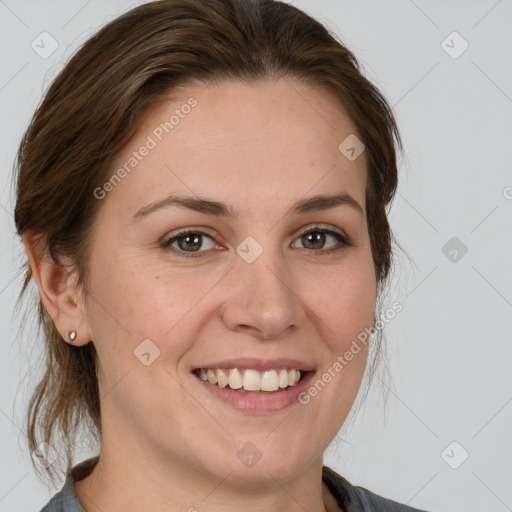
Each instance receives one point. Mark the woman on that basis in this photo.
(202, 197)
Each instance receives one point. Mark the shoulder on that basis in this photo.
(358, 499)
(65, 500)
(351, 498)
(367, 500)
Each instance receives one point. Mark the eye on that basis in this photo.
(186, 240)
(187, 243)
(316, 236)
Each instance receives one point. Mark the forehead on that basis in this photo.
(242, 142)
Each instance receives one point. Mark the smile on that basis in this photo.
(250, 379)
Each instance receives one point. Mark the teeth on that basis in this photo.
(251, 380)
(269, 381)
(235, 379)
(212, 376)
(283, 378)
(222, 378)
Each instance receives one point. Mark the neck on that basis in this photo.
(133, 481)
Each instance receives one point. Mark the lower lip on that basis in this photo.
(263, 402)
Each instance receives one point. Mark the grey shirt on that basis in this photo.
(350, 498)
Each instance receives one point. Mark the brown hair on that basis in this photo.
(95, 106)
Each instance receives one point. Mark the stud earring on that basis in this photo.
(72, 336)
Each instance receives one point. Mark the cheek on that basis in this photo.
(133, 304)
(345, 301)
(346, 311)
(140, 301)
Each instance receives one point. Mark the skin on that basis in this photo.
(166, 445)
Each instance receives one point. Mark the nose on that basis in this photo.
(263, 299)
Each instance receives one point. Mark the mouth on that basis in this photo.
(251, 381)
(254, 392)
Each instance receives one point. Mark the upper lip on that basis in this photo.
(246, 363)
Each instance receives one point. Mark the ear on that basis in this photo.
(58, 290)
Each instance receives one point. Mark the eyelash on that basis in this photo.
(344, 240)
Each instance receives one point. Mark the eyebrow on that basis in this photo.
(209, 207)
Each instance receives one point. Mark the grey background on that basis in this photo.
(450, 348)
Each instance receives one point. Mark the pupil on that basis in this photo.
(195, 239)
(318, 236)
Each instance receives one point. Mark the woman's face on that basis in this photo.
(252, 285)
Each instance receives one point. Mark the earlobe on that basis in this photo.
(58, 290)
